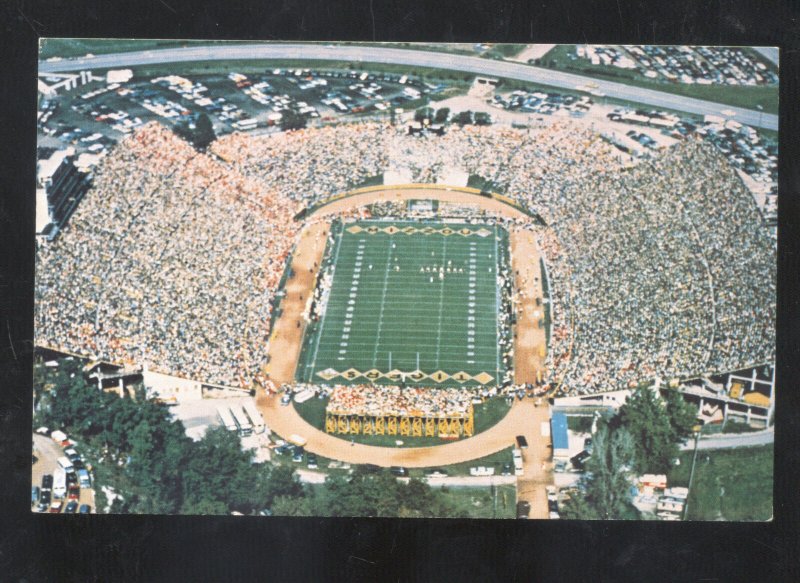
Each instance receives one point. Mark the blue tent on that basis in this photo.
(558, 431)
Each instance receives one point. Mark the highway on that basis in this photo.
(411, 58)
(769, 53)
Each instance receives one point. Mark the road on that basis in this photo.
(315, 477)
(411, 58)
(770, 53)
(733, 440)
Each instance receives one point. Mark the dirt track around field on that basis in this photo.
(390, 194)
(286, 340)
(530, 343)
(524, 418)
(285, 421)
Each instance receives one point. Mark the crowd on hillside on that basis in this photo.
(662, 269)
(170, 261)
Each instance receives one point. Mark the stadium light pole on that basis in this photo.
(691, 473)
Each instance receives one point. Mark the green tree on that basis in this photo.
(463, 118)
(657, 427)
(607, 482)
(200, 132)
(441, 115)
(423, 113)
(482, 118)
(291, 120)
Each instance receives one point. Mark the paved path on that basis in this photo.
(537, 463)
(318, 477)
(411, 58)
(726, 441)
(285, 421)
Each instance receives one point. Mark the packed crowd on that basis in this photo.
(663, 269)
(406, 402)
(170, 261)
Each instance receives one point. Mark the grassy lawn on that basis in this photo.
(504, 51)
(748, 97)
(579, 423)
(729, 484)
(487, 414)
(481, 503)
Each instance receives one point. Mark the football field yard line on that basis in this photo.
(324, 316)
(441, 305)
(383, 304)
(496, 304)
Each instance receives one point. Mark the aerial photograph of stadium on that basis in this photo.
(474, 280)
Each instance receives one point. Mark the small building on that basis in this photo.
(560, 436)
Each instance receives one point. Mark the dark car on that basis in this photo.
(507, 469)
(523, 509)
(311, 460)
(522, 443)
(72, 507)
(398, 471)
(44, 501)
(47, 482)
(372, 468)
(552, 505)
(579, 460)
(297, 454)
(85, 509)
(72, 478)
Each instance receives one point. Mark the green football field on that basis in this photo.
(409, 301)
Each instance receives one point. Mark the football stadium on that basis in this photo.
(266, 264)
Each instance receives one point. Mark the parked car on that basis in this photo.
(47, 482)
(55, 507)
(72, 507)
(398, 471)
(311, 460)
(436, 473)
(297, 454)
(44, 501)
(522, 443)
(579, 460)
(507, 469)
(35, 493)
(85, 509)
(523, 509)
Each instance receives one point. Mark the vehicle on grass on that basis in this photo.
(507, 469)
(297, 454)
(311, 461)
(523, 509)
(265, 512)
(436, 473)
(481, 471)
(399, 471)
(85, 509)
(71, 507)
(372, 468)
(297, 440)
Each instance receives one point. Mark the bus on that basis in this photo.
(227, 419)
(245, 427)
(255, 417)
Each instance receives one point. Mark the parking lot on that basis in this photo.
(47, 452)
